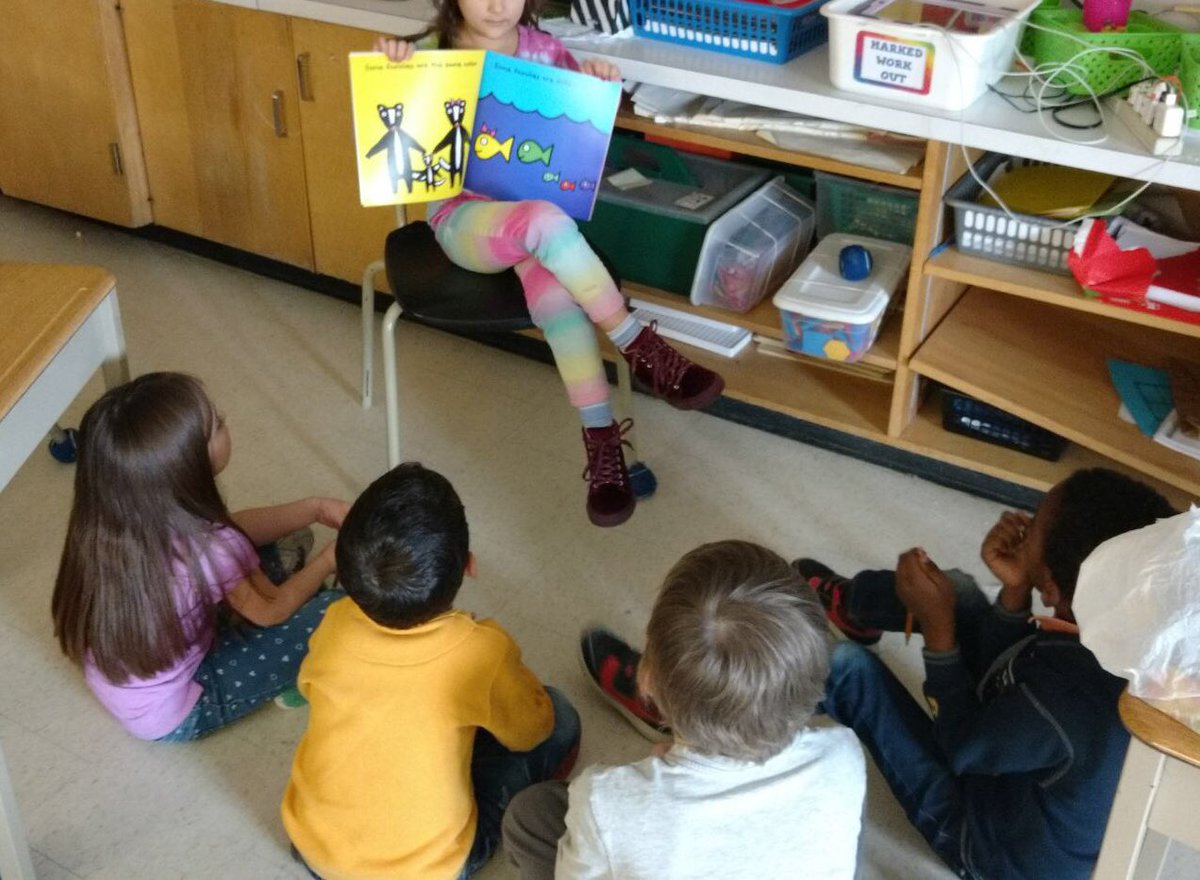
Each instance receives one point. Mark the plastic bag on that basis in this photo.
(1137, 602)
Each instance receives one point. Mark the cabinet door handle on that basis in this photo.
(114, 153)
(304, 75)
(277, 113)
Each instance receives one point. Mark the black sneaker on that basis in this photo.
(828, 586)
(612, 667)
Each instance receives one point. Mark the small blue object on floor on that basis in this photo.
(63, 444)
(642, 480)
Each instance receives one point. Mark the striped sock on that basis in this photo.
(596, 415)
(624, 333)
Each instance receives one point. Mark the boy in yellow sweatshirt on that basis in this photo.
(423, 722)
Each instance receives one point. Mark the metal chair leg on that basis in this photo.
(368, 337)
(390, 383)
(625, 396)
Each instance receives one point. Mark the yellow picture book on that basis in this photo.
(412, 123)
(504, 127)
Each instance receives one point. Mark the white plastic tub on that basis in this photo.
(828, 316)
(944, 54)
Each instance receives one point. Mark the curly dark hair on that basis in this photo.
(449, 19)
(1095, 505)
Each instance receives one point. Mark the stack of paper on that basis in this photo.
(789, 131)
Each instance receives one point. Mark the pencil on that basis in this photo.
(908, 623)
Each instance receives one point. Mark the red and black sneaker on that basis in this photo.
(828, 585)
(612, 667)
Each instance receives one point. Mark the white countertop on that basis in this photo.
(802, 86)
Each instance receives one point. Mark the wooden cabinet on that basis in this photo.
(345, 235)
(68, 126)
(218, 104)
(247, 132)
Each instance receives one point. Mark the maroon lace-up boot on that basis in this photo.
(669, 375)
(610, 498)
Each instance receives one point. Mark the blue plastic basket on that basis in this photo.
(750, 28)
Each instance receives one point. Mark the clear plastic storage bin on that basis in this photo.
(828, 316)
(753, 247)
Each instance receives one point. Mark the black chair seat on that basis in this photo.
(433, 290)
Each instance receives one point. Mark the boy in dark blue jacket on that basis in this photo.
(1014, 775)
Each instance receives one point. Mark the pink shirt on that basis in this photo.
(539, 46)
(152, 707)
(532, 45)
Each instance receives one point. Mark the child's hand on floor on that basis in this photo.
(600, 69)
(394, 48)
(1004, 552)
(929, 595)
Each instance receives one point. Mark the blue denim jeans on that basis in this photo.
(498, 773)
(249, 665)
(863, 694)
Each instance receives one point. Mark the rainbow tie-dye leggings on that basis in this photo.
(566, 286)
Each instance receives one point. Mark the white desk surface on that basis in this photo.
(802, 86)
(61, 324)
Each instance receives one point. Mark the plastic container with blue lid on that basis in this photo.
(828, 316)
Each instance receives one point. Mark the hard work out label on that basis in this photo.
(897, 64)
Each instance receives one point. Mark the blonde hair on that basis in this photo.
(736, 651)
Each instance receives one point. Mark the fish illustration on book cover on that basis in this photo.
(542, 133)
(539, 132)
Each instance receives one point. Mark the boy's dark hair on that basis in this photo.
(403, 547)
(736, 651)
(1095, 505)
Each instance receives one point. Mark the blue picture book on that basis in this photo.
(507, 128)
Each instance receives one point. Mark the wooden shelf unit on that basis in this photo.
(1025, 340)
(1048, 365)
(1058, 290)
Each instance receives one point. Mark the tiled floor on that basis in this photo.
(283, 363)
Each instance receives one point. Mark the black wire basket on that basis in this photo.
(973, 418)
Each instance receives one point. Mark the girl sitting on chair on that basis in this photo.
(566, 286)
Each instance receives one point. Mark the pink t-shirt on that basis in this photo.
(152, 707)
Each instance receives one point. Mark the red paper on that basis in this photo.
(1181, 273)
(1121, 278)
(1105, 268)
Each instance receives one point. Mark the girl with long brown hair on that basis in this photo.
(154, 561)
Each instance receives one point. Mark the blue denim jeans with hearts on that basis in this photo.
(248, 666)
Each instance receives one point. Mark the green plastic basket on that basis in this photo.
(1189, 74)
(859, 207)
(1058, 36)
